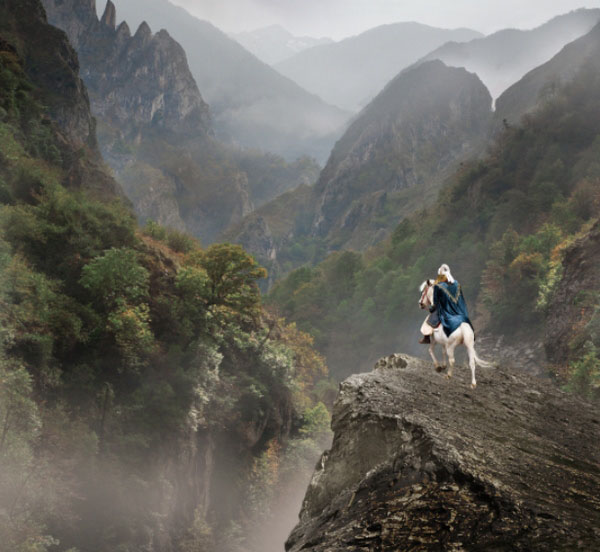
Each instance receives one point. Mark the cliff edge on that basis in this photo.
(419, 462)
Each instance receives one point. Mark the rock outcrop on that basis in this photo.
(422, 463)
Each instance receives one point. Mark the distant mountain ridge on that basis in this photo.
(355, 204)
(353, 71)
(274, 43)
(502, 58)
(540, 84)
(252, 104)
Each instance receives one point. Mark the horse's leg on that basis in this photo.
(432, 353)
(438, 336)
(469, 342)
(450, 351)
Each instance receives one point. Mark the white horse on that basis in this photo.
(462, 335)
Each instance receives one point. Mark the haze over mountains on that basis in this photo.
(351, 72)
(252, 104)
(273, 44)
(541, 84)
(396, 153)
(150, 403)
(502, 58)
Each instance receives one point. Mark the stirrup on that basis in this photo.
(425, 340)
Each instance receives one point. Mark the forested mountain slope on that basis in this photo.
(145, 395)
(398, 150)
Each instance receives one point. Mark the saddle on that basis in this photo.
(433, 319)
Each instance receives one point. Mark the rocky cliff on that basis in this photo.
(422, 463)
(50, 64)
(133, 80)
(397, 151)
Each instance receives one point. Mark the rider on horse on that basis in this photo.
(449, 307)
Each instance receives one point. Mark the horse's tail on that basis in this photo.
(482, 363)
(468, 330)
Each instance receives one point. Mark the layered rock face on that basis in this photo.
(422, 463)
(133, 80)
(398, 150)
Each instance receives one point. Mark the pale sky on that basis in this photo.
(340, 18)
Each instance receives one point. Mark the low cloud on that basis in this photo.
(340, 18)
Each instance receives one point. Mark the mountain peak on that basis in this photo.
(144, 31)
(109, 17)
(386, 152)
(123, 30)
(329, 70)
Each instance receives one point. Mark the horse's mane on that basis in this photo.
(426, 283)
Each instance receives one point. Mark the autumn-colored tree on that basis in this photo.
(232, 278)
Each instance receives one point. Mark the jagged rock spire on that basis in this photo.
(143, 31)
(123, 30)
(110, 15)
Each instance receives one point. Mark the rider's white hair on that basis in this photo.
(444, 270)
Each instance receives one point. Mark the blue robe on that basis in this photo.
(451, 306)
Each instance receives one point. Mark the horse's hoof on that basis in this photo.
(448, 376)
(440, 368)
(473, 385)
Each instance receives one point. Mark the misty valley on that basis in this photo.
(212, 246)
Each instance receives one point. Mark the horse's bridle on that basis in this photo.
(424, 298)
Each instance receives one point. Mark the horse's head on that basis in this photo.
(424, 288)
